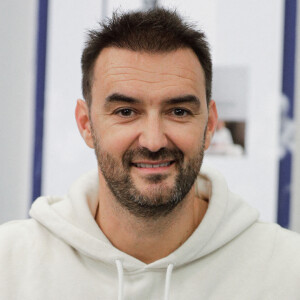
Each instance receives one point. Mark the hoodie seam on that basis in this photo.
(214, 232)
(269, 264)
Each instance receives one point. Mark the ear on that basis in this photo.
(211, 122)
(83, 122)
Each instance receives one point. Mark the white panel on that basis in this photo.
(65, 154)
(231, 92)
(17, 79)
(250, 34)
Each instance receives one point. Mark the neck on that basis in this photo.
(148, 239)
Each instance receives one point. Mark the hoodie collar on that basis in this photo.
(71, 218)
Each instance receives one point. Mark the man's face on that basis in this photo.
(149, 123)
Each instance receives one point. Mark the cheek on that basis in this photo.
(116, 140)
(188, 139)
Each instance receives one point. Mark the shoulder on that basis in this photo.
(18, 236)
(280, 240)
(286, 247)
(16, 228)
(284, 259)
(281, 269)
(23, 245)
(280, 237)
(19, 247)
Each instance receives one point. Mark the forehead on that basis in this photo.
(148, 75)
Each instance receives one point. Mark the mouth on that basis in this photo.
(153, 165)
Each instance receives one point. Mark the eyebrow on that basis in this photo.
(116, 97)
(184, 99)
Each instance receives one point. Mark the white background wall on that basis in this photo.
(17, 61)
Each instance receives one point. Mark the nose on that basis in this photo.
(152, 134)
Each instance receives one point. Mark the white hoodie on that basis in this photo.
(62, 254)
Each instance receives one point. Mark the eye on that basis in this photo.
(125, 112)
(180, 112)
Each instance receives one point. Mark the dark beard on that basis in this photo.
(119, 181)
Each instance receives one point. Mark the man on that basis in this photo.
(147, 225)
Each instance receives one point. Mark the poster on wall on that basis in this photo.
(231, 93)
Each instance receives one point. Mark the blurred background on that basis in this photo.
(256, 66)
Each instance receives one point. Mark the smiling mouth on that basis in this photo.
(155, 165)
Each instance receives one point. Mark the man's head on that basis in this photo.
(147, 117)
(153, 31)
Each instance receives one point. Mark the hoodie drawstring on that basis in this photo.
(121, 279)
(168, 281)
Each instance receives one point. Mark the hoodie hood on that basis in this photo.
(71, 218)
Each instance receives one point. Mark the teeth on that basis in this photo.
(152, 165)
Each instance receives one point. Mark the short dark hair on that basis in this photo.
(156, 30)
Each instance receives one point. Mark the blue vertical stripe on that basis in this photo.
(40, 98)
(288, 83)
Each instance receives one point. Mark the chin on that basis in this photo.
(154, 181)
